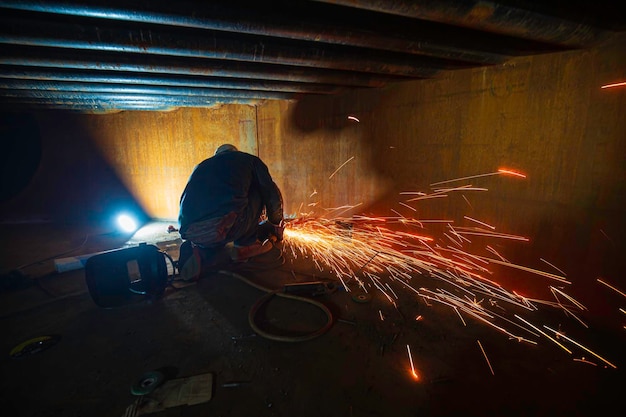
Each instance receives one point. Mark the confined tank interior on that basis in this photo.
(453, 175)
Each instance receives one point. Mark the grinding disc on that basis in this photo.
(361, 298)
(147, 383)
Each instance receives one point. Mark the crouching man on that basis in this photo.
(222, 204)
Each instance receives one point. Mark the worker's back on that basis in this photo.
(223, 183)
(217, 186)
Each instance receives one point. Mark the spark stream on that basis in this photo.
(367, 253)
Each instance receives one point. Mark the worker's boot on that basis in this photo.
(194, 261)
(189, 262)
(243, 253)
(184, 253)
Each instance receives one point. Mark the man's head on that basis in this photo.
(227, 147)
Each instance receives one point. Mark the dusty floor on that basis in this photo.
(360, 367)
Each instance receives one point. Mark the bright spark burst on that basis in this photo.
(394, 253)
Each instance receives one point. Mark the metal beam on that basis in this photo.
(94, 106)
(36, 88)
(17, 55)
(420, 39)
(112, 77)
(28, 32)
(11, 97)
(487, 16)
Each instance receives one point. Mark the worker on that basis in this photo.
(222, 205)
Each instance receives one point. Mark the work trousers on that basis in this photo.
(244, 230)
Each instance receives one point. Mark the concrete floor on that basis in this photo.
(360, 367)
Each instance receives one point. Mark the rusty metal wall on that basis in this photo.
(544, 115)
(154, 153)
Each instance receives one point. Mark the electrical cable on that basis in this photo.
(175, 269)
(265, 299)
(270, 294)
(15, 277)
(19, 268)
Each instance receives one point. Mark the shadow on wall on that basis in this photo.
(313, 113)
(334, 112)
(356, 123)
(53, 172)
(346, 162)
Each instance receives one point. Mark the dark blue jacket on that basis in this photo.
(222, 183)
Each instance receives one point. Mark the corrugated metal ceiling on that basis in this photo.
(156, 55)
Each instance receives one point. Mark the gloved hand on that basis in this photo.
(267, 230)
(279, 230)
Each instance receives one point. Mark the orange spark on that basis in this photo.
(559, 334)
(480, 232)
(531, 270)
(614, 85)
(460, 316)
(611, 287)
(544, 334)
(543, 260)
(441, 193)
(479, 222)
(414, 236)
(576, 303)
(464, 178)
(369, 252)
(407, 206)
(583, 360)
(413, 372)
(486, 358)
(511, 172)
(492, 250)
(467, 201)
(341, 166)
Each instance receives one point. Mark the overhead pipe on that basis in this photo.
(108, 77)
(115, 102)
(77, 97)
(487, 16)
(93, 106)
(18, 55)
(424, 38)
(52, 34)
(29, 86)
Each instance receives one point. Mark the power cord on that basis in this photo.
(17, 278)
(265, 299)
(254, 310)
(19, 268)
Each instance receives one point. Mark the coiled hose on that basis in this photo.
(266, 298)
